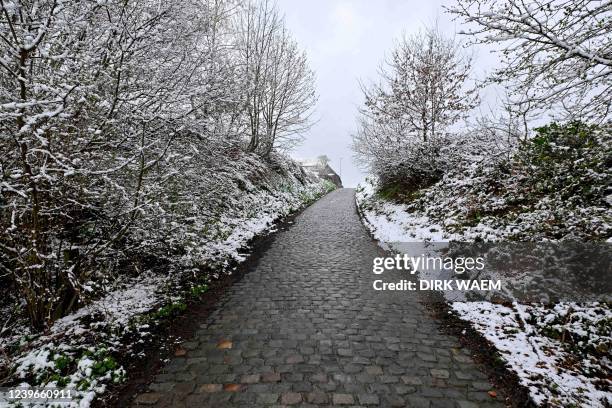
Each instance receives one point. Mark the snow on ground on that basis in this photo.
(560, 353)
(241, 231)
(390, 222)
(118, 307)
(551, 374)
(46, 358)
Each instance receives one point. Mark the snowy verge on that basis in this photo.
(390, 222)
(555, 375)
(560, 352)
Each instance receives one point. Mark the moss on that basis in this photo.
(103, 366)
(83, 385)
(62, 362)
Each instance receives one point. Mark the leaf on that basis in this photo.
(232, 387)
(224, 344)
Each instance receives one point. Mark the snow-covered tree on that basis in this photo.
(423, 90)
(423, 85)
(103, 105)
(556, 54)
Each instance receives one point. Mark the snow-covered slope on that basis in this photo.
(560, 352)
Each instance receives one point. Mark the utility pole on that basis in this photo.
(340, 169)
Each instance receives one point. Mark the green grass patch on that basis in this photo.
(170, 310)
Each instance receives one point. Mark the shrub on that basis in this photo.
(417, 165)
(571, 161)
(554, 185)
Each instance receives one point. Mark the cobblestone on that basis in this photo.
(304, 327)
(291, 398)
(343, 399)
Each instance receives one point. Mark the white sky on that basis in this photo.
(346, 40)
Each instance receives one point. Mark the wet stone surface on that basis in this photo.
(305, 328)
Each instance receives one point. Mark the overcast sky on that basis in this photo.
(346, 41)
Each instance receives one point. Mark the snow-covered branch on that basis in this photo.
(556, 54)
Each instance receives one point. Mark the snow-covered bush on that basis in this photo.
(554, 185)
(414, 166)
(93, 97)
(212, 208)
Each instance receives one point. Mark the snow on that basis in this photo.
(309, 162)
(78, 399)
(36, 360)
(539, 361)
(391, 222)
(118, 306)
(247, 230)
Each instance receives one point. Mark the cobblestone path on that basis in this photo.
(306, 328)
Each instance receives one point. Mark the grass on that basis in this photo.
(399, 193)
(170, 310)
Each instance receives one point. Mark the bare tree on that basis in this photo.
(290, 95)
(280, 87)
(556, 53)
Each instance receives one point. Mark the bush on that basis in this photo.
(554, 185)
(416, 166)
(571, 161)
